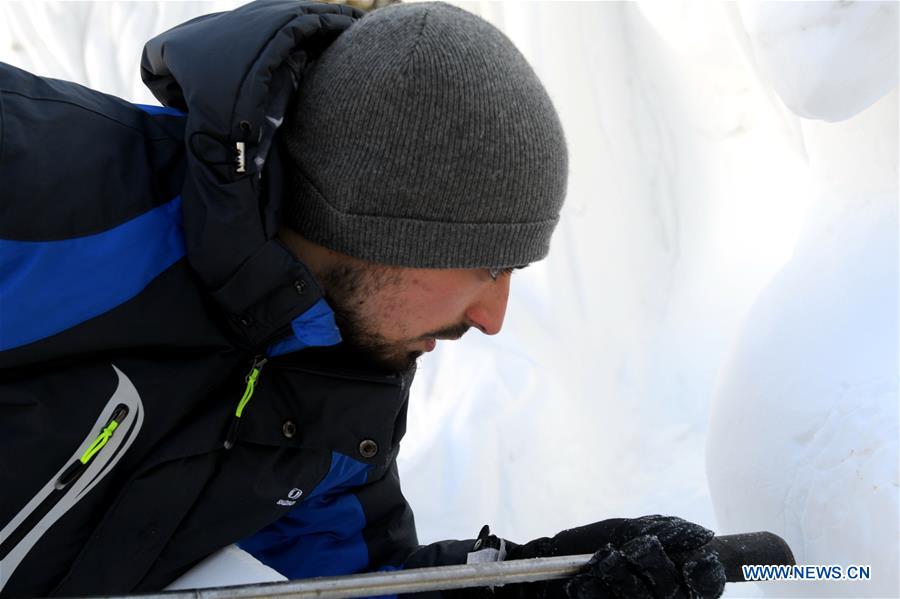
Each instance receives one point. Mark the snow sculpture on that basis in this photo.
(826, 60)
(804, 428)
(803, 438)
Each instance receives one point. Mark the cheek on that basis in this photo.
(390, 315)
(432, 307)
(413, 311)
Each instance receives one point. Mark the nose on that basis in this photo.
(488, 309)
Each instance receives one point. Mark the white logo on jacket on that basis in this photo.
(293, 495)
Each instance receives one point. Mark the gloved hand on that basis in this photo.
(649, 557)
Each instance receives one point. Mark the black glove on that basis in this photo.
(651, 557)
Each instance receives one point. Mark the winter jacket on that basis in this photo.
(141, 290)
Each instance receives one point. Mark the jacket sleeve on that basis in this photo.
(391, 530)
(350, 529)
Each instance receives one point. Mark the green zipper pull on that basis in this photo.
(77, 468)
(251, 379)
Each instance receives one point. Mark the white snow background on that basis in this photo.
(714, 334)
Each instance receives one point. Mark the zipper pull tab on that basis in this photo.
(77, 468)
(251, 378)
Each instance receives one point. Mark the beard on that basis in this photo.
(347, 289)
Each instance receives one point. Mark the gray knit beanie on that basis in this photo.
(421, 137)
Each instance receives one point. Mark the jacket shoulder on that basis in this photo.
(79, 160)
(90, 212)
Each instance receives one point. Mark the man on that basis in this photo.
(211, 311)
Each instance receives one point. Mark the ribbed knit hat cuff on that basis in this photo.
(410, 242)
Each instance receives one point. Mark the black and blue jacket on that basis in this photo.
(171, 379)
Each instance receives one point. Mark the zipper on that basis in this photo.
(115, 430)
(251, 380)
(77, 468)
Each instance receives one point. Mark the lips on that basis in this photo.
(430, 344)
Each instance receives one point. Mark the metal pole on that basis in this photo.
(395, 583)
(733, 551)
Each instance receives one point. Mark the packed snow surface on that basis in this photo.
(803, 436)
(710, 234)
(826, 60)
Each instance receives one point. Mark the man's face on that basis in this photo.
(393, 314)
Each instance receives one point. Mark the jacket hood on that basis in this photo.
(233, 74)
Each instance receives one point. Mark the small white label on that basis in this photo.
(488, 554)
(293, 495)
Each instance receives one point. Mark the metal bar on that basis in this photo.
(733, 551)
(395, 583)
